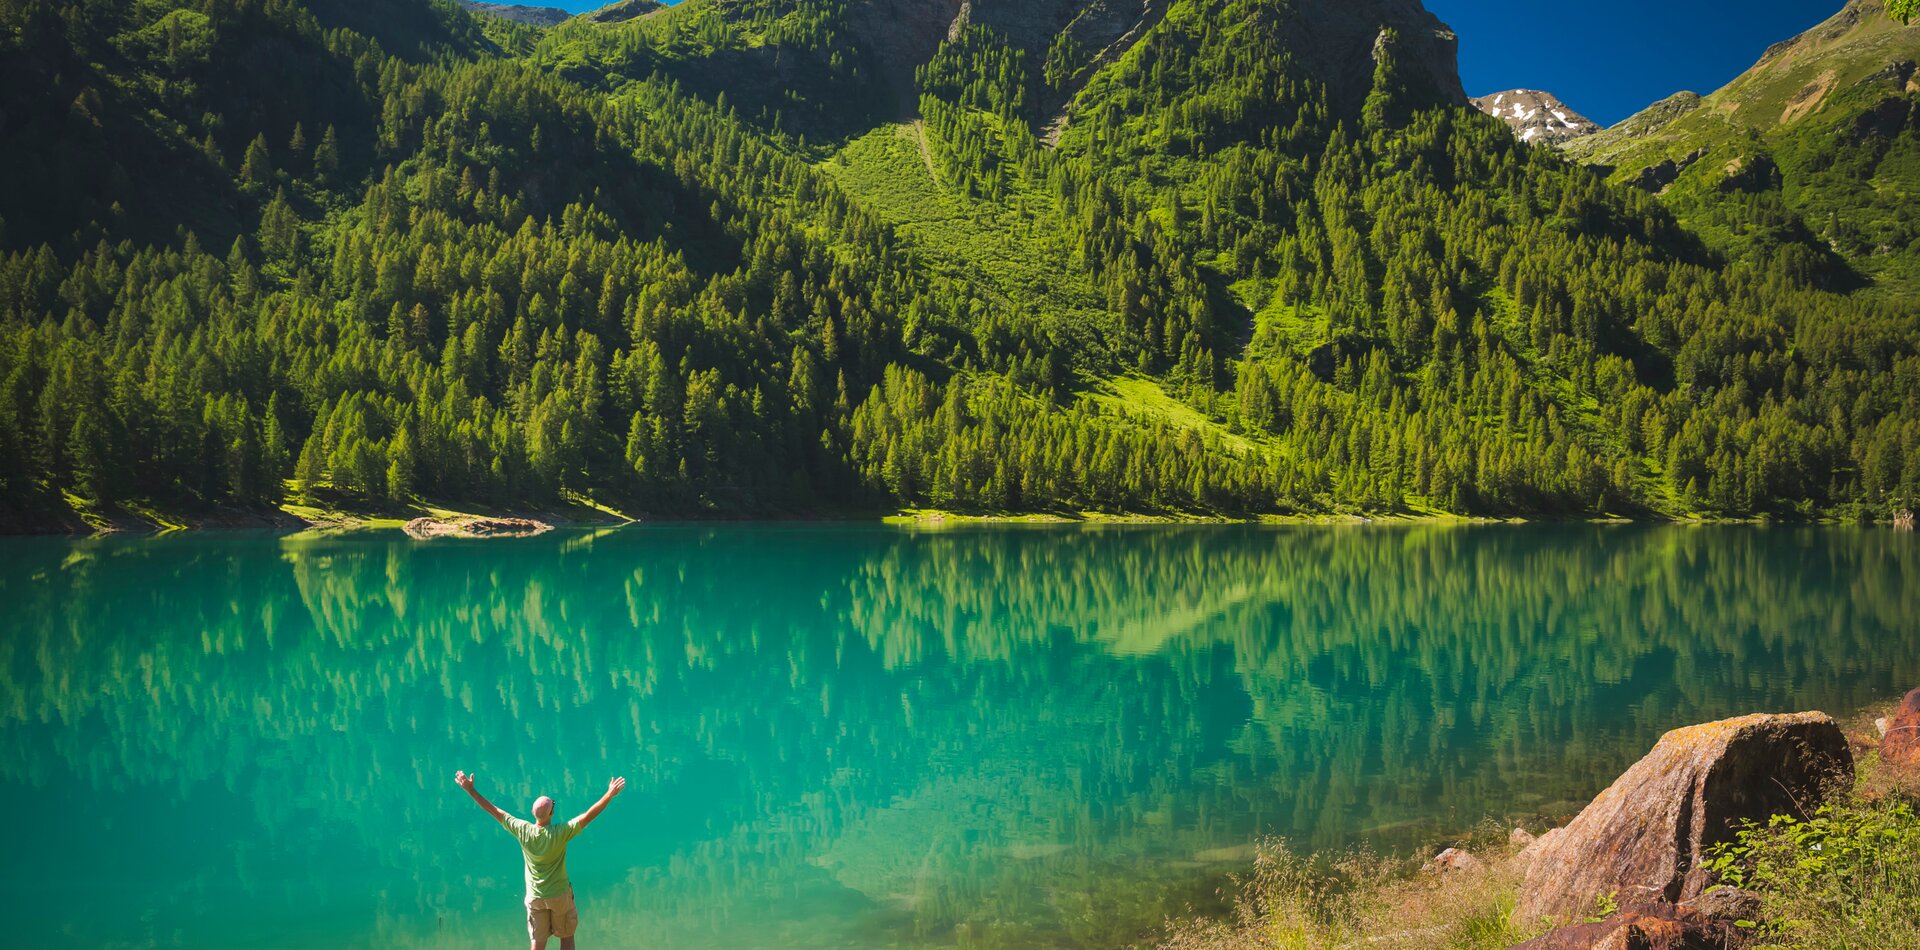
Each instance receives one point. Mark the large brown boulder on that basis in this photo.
(1646, 838)
(1901, 744)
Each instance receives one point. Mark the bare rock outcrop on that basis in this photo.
(1333, 31)
(1658, 176)
(426, 528)
(1900, 745)
(625, 10)
(1646, 837)
(519, 13)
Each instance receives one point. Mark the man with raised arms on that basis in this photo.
(543, 846)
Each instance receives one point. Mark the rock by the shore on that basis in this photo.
(1647, 836)
(426, 528)
(1726, 904)
(1521, 838)
(1900, 742)
(1531, 851)
(1452, 859)
(1652, 926)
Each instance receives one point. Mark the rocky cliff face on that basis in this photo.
(1339, 40)
(1536, 117)
(625, 10)
(519, 13)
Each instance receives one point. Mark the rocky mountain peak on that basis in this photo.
(1536, 117)
(519, 13)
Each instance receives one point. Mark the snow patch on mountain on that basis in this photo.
(1536, 117)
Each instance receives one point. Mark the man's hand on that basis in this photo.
(465, 781)
(586, 818)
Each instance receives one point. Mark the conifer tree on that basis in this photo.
(256, 169)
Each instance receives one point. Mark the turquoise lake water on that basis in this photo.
(853, 736)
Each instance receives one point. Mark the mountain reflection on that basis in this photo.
(844, 735)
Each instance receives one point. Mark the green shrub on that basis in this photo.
(1848, 877)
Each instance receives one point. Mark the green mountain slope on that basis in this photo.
(1815, 145)
(1795, 81)
(764, 256)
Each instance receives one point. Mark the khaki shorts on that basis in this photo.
(552, 917)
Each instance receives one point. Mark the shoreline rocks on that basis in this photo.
(1452, 859)
(1900, 737)
(422, 529)
(1648, 926)
(1646, 838)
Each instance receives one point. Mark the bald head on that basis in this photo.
(542, 809)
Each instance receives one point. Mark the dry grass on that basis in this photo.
(1292, 902)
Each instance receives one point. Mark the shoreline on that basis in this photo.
(1474, 885)
(83, 520)
(1854, 723)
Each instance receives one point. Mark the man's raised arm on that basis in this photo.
(465, 781)
(586, 817)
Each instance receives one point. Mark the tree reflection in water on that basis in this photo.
(843, 735)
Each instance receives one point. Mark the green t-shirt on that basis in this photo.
(545, 851)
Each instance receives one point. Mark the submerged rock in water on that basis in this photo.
(425, 528)
(1900, 742)
(1647, 836)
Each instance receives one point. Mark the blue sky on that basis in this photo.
(1607, 60)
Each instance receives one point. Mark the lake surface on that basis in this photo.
(852, 736)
